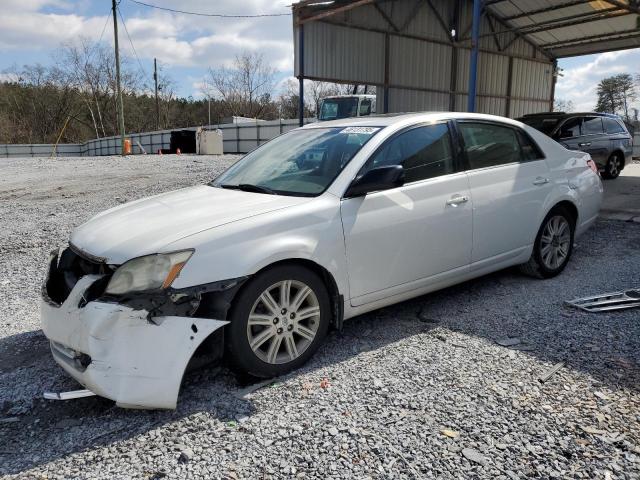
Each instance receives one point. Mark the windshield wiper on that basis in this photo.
(248, 187)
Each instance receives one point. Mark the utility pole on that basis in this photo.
(155, 78)
(119, 104)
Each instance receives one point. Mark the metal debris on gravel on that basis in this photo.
(371, 404)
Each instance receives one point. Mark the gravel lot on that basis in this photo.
(417, 390)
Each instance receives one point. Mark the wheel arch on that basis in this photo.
(335, 296)
(569, 207)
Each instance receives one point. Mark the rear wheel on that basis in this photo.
(614, 166)
(278, 321)
(553, 246)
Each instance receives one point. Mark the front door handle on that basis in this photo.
(587, 144)
(457, 200)
(540, 181)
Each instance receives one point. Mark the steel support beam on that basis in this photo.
(601, 36)
(385, 90)
(554, 80)
(569, 21)
(386, 17)
(473, 67)
(301, 74)
(546, 9)
(631, 5)
(333, 10)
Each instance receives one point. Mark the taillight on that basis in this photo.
(592, 165)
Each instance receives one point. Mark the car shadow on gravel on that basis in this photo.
(502, 305)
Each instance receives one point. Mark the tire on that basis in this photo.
(614, 166)
(543, 263)
(284, 341)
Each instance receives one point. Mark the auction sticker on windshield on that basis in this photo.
(364, 130)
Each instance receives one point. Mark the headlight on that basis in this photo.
(152, 272)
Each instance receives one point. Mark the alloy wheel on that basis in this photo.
(555, 242)
(613, 166)
(283, 322)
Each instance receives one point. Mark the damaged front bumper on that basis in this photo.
(134, 356)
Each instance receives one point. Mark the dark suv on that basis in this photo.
(602, 135)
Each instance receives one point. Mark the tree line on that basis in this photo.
(617, 94)
(73, 99)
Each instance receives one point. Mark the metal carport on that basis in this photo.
(492, 56)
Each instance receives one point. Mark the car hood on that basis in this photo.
(146, 226)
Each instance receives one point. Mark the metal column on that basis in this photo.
(385, 91)
(473, 68)
(301, 73)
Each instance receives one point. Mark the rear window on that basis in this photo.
(611, 125)
(543, 124)
(592, 126)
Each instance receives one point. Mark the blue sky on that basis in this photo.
(30, 31)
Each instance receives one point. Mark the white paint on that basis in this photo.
(136, 363)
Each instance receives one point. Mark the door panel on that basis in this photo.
(507, 202)
(593, 140)
(406, 234)
(509, 181)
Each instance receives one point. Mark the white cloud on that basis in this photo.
(579, 83)
(175, 39)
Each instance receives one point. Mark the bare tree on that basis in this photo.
(562, 105)
(245, 88)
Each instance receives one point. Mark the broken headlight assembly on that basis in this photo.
(148, 273)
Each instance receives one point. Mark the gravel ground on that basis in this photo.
(422, 389)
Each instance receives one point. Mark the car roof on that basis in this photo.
(389, 119)
(570, 114)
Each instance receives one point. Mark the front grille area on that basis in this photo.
(66, 269)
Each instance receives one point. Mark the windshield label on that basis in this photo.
(363, 130)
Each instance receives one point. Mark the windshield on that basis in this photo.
(334, 108)
(543, 124)
(301, 162)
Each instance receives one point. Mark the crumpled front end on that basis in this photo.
(123, 351)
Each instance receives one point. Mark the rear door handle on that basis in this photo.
(457, 200)
(584, 144)
(540, 181)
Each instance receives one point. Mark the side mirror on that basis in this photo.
(380, 178)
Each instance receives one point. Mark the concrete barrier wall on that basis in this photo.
(41, 150)
(237, 138)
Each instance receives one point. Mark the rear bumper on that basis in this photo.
(121, 353)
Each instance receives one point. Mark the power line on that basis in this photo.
(144, 72)
(105, 27)
(219, 15)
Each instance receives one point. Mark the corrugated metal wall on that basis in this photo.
(426, 71)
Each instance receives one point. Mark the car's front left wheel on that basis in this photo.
(278, 321)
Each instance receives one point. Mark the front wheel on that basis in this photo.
(278, 321)
(613, 167)
(553, 246)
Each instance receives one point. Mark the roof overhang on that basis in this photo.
(560, 28)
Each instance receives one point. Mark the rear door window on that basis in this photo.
(592, 126)
(570, 128)
(489, 145)
(530, 150)
(611, 125)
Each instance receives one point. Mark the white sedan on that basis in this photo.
(320, 224)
